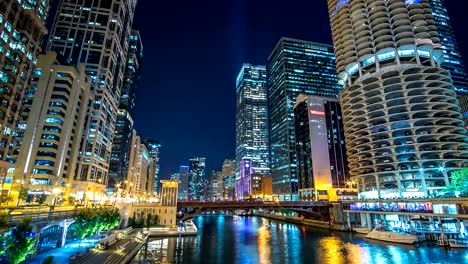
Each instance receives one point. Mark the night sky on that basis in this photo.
(193, 51)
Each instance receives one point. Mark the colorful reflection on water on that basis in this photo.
(244, 240)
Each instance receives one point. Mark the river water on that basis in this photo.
(244, 240)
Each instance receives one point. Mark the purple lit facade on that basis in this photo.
(244, 181)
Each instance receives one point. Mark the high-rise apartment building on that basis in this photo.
(184, 171)
(403, 127)
(196, 179)
(96, 33)
(22, 26)
(453, 61)
(252, 119)
(124, 125)
(138, 171)
(55, 111)
(322, 165)
(294, 67)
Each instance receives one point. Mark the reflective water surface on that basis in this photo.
(227, 239)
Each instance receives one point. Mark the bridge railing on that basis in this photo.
(42, 216)
(250, 204)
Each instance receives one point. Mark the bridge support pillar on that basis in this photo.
(348, 219)
(369, 224)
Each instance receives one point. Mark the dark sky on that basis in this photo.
(193, 51)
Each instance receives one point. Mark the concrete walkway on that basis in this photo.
(62, 255)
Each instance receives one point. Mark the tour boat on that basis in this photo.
(386, 233)
(458, 243)
(361, 230)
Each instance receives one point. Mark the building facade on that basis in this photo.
(124, 124)
(403, 126)
(138, 170)
(96, 34)
(22, 26)
(217, 186)
(322, 165)
(453, 61)
(55, 112)
(196, 179)
(294, 67)
(228, 174)
(252, 140)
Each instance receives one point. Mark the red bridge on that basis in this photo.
(313, 210)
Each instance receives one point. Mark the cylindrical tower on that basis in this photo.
(403, 127)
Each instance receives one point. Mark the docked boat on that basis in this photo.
(387, 234)
(458, 243)
(361, 230)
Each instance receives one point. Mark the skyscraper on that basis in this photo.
(124, 125)
(320, 146)
(294, 67)
(154, 149)
(55, 114)
(196, 179)
(184, 171)
(403, 127)
(96, 33)
(452, 58)
(228, 174)
(252, 119)
(22, 26)
(217, 189)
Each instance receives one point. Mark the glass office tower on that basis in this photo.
(403, 127)
(294, 67)
(252, 119)
(323, 172)
(452, 58)
(124, 126)
(96, 33)
(196, 179)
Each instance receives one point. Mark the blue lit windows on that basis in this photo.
(48, 145)
(58, 104)
(55, 112)
(50, 136)
(52, 129)
(42, 171)
(44, 163)
(54, 120)
(412, 2)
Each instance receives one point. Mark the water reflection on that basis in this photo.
(243, 240)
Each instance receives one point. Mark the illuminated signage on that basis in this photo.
(315, 112)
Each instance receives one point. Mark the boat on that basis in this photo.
(387, 234)
(458, 243)
(361, 230)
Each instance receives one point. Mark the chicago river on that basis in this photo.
(234, 239)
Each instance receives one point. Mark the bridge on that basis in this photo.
(318, 210)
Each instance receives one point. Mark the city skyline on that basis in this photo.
(351, 118)
(235, 34)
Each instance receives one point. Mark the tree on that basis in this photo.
(42, 198)
(5, 199)
(23, 194)
(3, 220)
(71, 200)
(23, 241)
(459, 182)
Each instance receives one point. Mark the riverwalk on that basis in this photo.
(123, 251)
